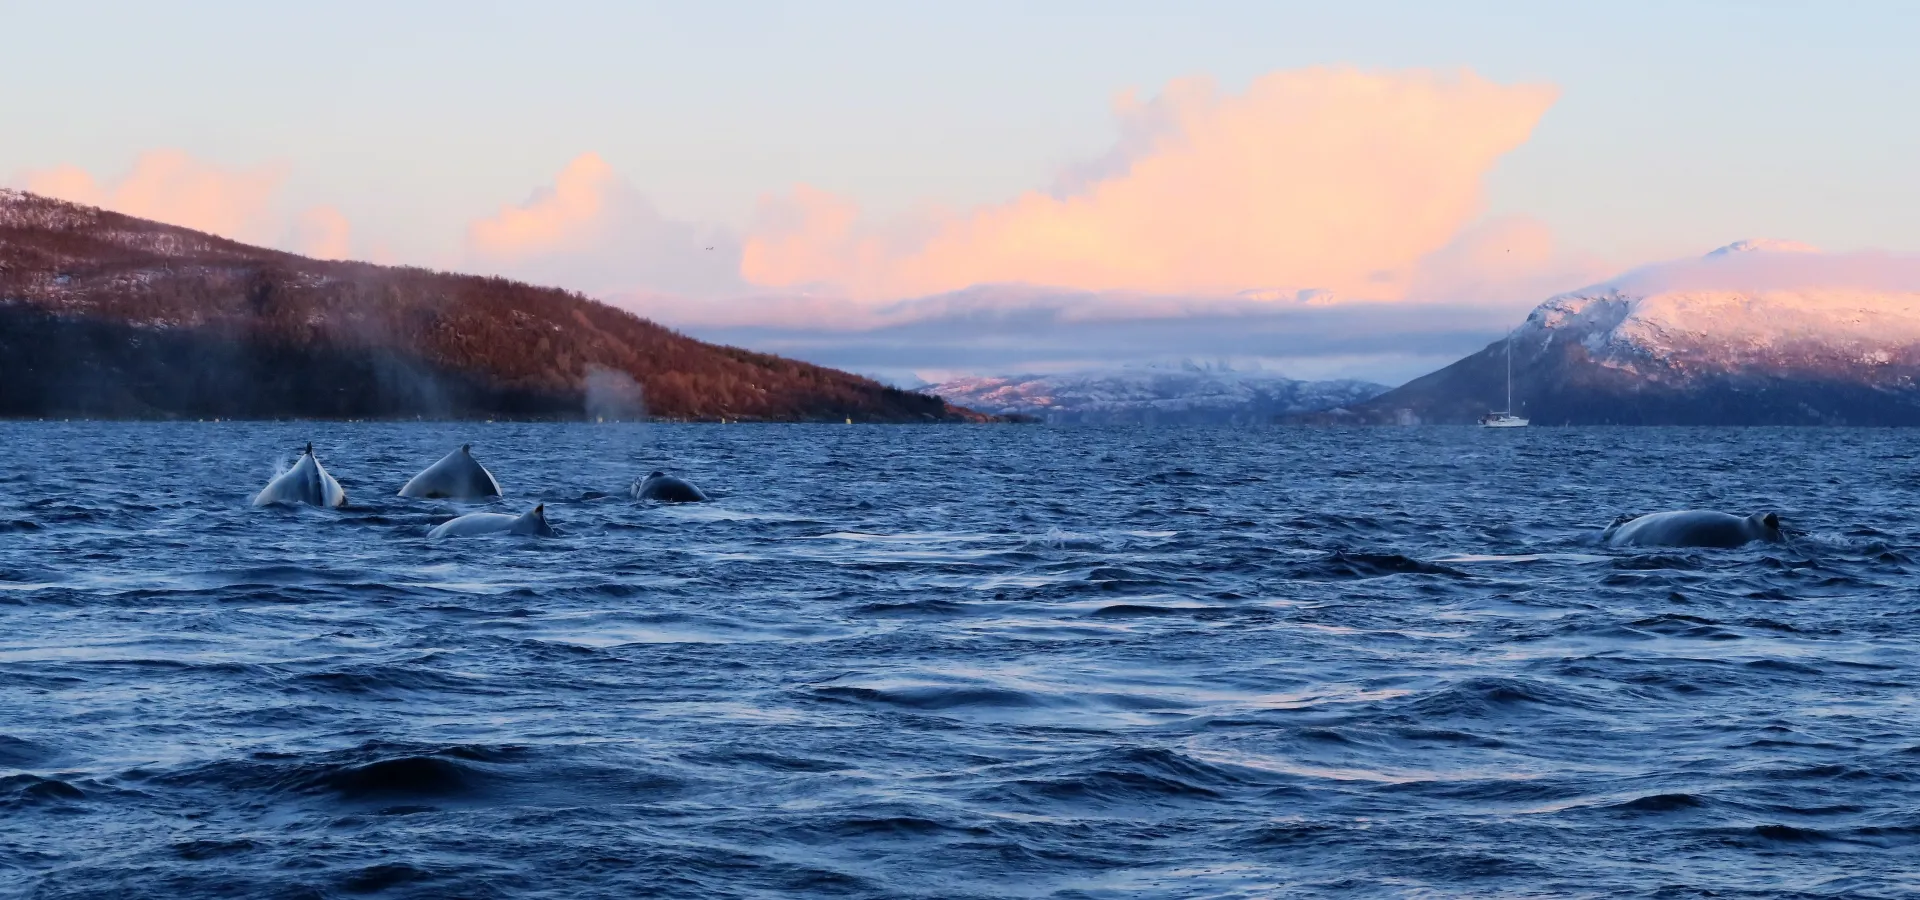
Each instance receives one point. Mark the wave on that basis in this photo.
(937, 697)
(31, 790)
(388, 680)
(958, 662)
(931, 608)
(1493, 697)
(454, 773)
(1123, 777)
(20, 753)
(1349, 564)
(1660, 804)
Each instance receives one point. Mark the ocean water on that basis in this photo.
(958, 662)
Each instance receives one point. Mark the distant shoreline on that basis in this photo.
(998, 421)
(519, 420)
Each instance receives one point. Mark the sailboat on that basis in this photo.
(1506, 418)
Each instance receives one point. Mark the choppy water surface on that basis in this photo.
(958, 661)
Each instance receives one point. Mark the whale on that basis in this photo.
(664, 488)
(307, 482)
(533, 523)
(457, 476)
(1693, 528)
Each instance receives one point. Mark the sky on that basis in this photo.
(921, 190)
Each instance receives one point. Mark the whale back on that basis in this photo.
(1693, 528)
(307, 482)
(663, 488)
(532, 523)
(473, 524)
(457, 476)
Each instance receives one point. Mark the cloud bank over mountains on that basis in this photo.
(1320, 214)
(1774, 265)
(1020, 330)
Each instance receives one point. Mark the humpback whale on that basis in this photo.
(667, 489)
(533, 523)
(306, 482)
(457, 476)
(1693, 528)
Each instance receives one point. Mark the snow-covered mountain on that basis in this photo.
(1188, 393)
(1757, 332)
(1766, 305)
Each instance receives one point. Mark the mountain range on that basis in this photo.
(108, 315)
(1754, 333)
(1188, 393)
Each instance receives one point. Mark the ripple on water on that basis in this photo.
(992, 662)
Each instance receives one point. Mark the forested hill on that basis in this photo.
(108, 315)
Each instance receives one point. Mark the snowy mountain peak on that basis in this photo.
(1763, 245)
(1749, 305)
(1185, 392)
(1220, 367)
(1758, 332)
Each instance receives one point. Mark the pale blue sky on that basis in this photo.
(1680, 125)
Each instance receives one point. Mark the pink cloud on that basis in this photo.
(172, 187)
(555, 217)
(322, 233)
(592, 230)
(1329, 179)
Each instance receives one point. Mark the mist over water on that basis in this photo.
(958, 662)
(610, 394)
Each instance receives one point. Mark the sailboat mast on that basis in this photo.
(1509, 374)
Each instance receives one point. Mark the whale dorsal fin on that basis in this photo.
(467, 449)
(657, 474)
(534, 522)
(1771, 521)
(309, 448)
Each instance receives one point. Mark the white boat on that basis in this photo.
(1505, 418)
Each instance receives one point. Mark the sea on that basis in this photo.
(958, 661)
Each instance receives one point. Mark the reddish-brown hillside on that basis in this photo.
(103, 314)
